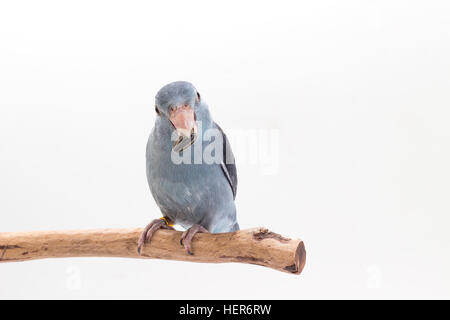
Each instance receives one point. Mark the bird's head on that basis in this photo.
(177, 102)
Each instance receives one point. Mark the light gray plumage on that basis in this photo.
(190, 194)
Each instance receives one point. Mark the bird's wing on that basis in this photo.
(228, 164)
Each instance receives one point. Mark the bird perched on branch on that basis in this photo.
(190, 167)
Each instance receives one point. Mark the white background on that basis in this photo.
(357, 90)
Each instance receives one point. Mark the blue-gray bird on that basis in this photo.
(196, 193)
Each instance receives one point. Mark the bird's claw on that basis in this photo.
(149, 230)
(186, 237)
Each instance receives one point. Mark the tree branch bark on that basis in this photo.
(255, 246)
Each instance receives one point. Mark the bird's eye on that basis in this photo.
(198, 97)
(157, 110)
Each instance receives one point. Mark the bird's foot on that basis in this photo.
(186, 237)
(150, 229)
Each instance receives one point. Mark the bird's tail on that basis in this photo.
(235, 227)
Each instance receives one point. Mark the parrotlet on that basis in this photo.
(191, 168)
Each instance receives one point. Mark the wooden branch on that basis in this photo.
(256, 246)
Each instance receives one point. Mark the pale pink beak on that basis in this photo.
(183, 119)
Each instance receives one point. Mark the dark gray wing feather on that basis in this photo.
(228, 165)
